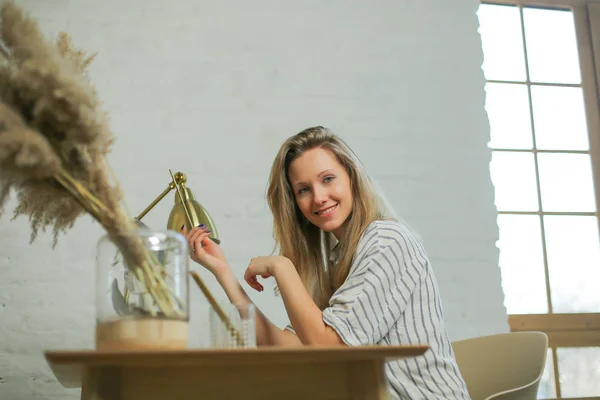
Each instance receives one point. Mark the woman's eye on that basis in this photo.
(328, 179)
(302, 190)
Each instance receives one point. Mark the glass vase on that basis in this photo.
(142, 291)
(240, 334)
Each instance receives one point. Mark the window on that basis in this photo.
(542, 104)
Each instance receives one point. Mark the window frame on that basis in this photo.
(573, 329)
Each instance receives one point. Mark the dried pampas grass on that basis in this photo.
(54, 139)
(46, 84)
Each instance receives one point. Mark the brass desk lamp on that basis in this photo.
(185, 203)
(187, 211)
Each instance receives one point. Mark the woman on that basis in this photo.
(375, 286)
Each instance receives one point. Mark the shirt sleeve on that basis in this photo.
(290, 328)
(382, 279)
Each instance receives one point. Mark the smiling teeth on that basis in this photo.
(325, 211)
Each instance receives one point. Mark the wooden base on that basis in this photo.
(267, 373)
(142, 334)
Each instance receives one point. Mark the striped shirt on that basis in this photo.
(390, 297)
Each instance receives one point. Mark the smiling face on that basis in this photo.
(322, 189)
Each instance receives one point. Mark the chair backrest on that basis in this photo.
(492, 365)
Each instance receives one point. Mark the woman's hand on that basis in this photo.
(265, 267)
(204, 251)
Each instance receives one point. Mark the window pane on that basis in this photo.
(522, 264)
(559, 117)
(502, 42)
(507, 106)
(566, 182)
(573, 263)
(551, 46)
(579, 370)
(547, 388)
(513, 175)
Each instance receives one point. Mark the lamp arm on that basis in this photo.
(187, 213)
(156, 201)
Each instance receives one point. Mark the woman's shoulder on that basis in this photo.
(391, 238)
(390, 235)
(388, 230)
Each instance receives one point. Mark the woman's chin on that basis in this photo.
(329, 227)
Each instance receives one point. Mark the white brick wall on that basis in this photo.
(211, 89)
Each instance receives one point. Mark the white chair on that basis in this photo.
(502, 367)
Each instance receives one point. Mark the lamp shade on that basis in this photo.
(197, 212)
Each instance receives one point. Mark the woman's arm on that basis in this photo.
(305, 316)
(267, 333)
(210, 255)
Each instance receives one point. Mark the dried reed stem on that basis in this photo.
(143, 265)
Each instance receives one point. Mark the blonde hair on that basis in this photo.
(302, 242)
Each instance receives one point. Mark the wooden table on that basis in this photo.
(313, 373)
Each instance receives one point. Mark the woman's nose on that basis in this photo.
(320, 195)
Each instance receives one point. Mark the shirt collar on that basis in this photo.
(334, 252)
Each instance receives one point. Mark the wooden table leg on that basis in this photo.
(367, 381)
(101, 384)
(85, 385)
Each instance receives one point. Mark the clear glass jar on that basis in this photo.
(146, 307)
